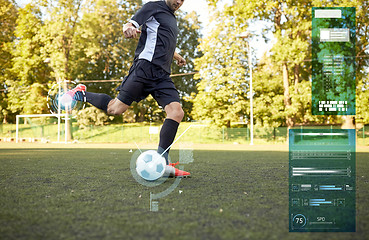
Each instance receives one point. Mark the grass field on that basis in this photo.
(140, 132)
(89, 193)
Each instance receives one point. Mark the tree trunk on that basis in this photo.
(228, 124)
(287, 99)
(296, 77)
(278, 17)
(286, 86)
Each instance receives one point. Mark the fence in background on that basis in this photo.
(125, 133)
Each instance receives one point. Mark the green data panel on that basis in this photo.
(333, 61)
(322, 180)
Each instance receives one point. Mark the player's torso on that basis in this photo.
(167, 29)
(158, 39)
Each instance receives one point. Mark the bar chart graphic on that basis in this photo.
(322, 180)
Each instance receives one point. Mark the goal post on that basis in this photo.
(58, 116)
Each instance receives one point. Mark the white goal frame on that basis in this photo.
(45, 115)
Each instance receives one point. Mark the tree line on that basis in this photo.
(282, 77)
(51, 40)
(83, 40)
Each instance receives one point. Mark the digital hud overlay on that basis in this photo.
(322, 180)
(333, 61)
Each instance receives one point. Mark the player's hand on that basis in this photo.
(130, 31)
(181, 61)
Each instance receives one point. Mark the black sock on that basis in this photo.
(167, 134)
(99, 100)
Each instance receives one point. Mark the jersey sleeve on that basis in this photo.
(142, 15)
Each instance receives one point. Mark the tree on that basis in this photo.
(81, 40)
(8, 16)
(104, 52)
(269, 101)
(289, 63)
(222, 96)
(84, 40)
(28, 87)
(59, 34)
(362, 62)
(188, 41)
(362, 102)
(290, 25)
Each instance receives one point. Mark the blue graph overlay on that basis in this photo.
(322, 180)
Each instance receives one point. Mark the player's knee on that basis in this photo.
(181, 114)
(114, 111)
(116, 108)
(177, 114)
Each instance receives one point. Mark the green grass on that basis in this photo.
(139, 132)
(77, 193)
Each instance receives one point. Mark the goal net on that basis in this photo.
(41, 128)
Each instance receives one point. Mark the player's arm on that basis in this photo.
(180, 60)
(130, 30)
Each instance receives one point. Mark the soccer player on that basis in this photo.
(150, 72)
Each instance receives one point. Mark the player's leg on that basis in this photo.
(104, 102)
(167, 96)
(99, 100)
(130, 90)
(174, 111)
(116, 107)
(168, 132)
(170, 126)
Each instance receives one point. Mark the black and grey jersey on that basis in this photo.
(158, 38)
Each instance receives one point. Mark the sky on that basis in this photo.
(200, 7)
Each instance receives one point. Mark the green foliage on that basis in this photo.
(91, 116)
(76, 40)
(83, 41)
(282, 93)
(362, 101)
(28, 89)
(222, 96)
(104, 53)
(187, 43)
(59, 34)
(8, 16)
(268, 98)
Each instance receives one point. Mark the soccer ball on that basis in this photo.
(150, 165)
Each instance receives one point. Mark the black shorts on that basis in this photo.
(145, 78)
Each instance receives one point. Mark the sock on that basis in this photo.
(167, 134)
(99, 100)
